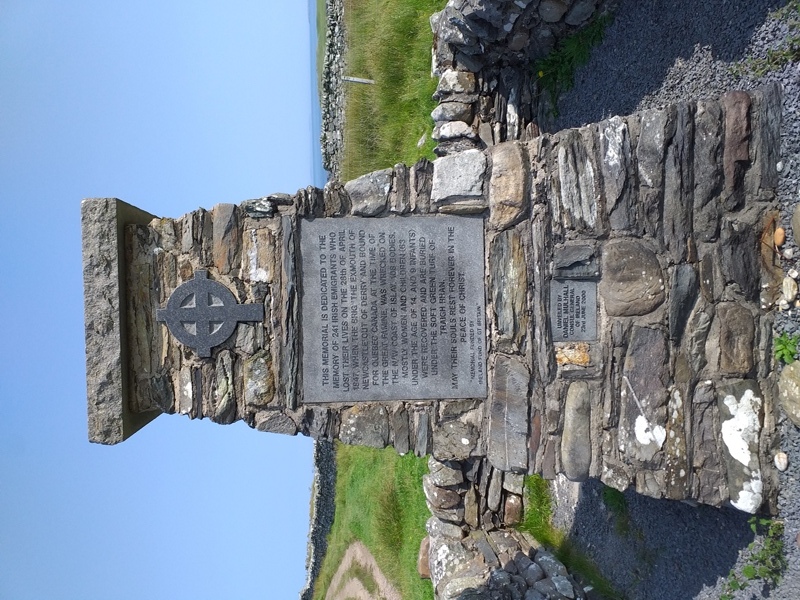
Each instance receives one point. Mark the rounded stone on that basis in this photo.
(551, 11)
(781, 461)
(632, 281)
(789, 289)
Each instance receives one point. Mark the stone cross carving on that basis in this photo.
(203, 313)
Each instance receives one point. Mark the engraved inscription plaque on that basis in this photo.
(573, 310)
(393, 309)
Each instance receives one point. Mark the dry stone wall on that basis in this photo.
(628, 287)
(482, 53)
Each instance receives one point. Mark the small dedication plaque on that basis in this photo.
(393, 309)
(573, 310)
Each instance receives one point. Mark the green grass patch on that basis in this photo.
(618, 506)
(389, 42)
(556, 71)
(322, 30)
(379, 501)
(537, 521)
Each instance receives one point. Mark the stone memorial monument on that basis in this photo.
(592, 302)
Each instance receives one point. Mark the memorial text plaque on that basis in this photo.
(393, 309)
(573, 310)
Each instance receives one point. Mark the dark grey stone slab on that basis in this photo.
(573, 310)
(393, 309)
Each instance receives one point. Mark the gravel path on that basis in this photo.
(353, 589)
(654, 53)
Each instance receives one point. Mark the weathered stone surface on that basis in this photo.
(549, 564)
(581, 10)
(454, 440)
(532, 573)
(108, 395)
(456, 82)
(643, 415)
(438, 528)
(423, 558)
(657, 129)
(739, 254)
(422, 433)
(683, 295)
(678, 186)
(765, 139)
(458, 177)
(420, 181)
(400, 431)
(369, 193)
(551, 11)
(508, 283)
(512, 510)
(365, 425)
(575, 261)
(453, 130)
(741, 417)
(615, 148)
(708, 172)
(446, 556)
(494, 491)
(471, 508)
(697, 328)
(736, 337)
(443, 474)
(337, 202)
(576, 448)
(399, 195)
(508, 415)
(632, 282)
(275, 421)
(453, 111)
(439, 497)
(508, 197)
(736, 154)
(259, 380)
(675, 449)
(708, 476)
(576, 192)
(227, 242)
(789, 391)
(514, 482)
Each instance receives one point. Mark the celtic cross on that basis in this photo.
(203, 313)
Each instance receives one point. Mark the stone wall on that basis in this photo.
(659, 214)
(484, 53)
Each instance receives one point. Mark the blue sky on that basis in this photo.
(169, 106)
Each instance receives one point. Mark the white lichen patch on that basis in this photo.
(257, 274)
(741, 431)
(750, 497)
(646, 435)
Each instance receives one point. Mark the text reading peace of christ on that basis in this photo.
(393, 309)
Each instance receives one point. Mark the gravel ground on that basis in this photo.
(654, 53)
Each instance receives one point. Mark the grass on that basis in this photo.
(538, 522)
(618, 506)
(389, 42)
(322, 29)
(788, 50)
(379, 501)
(767, 561)
(556, 71)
